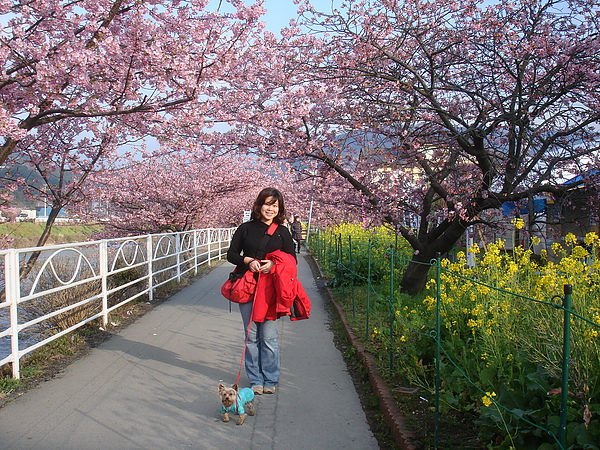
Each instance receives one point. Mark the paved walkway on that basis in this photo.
(154, 385)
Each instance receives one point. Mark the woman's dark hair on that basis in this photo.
(260, 200)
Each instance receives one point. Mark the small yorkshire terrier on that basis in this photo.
(236, 401)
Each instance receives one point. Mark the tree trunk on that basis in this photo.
(6, 149)
(416, 274)
(26, 269)
(41, 241)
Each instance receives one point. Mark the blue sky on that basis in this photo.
(279, 12)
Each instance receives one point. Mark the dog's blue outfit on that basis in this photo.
(244, 396)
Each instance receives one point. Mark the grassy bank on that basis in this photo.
(26, 234)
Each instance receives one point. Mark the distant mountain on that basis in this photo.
(31, 177)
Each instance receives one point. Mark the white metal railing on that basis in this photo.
(87, 280)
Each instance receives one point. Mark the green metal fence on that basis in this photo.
(355, 269)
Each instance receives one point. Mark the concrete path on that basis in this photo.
(154, 385)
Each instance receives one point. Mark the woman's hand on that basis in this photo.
(255, 265)
(266, 265)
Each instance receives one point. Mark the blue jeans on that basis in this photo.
(262, 351)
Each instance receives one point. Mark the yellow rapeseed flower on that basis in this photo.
(579, 252)
(591, 238)
(570, 240)
(487, 398)
(428, 301)
(481, 289)
(591, 335)
(518, 223)
(512, 268)
(474, 248)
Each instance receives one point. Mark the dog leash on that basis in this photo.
(239, 375)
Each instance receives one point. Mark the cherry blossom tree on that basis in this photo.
(142, 67)
(333, 200)
(59, 160)
(181, 190)
(457, 107)
(121, 68)
(433, 111)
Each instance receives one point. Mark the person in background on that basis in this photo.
(262, 352)
(297, 232)
(286, 223)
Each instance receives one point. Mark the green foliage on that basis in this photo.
(501, 334)
(36, 364)
(352, 246)
(8, 384)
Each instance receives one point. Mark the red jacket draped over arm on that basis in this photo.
(277, 290)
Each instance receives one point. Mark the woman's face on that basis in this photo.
(269, 210)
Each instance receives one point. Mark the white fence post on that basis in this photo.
(150, 259)
(209, 240)
(103, 261)
(178, 253)
(195, 252)
(11, 266)
(220, 243)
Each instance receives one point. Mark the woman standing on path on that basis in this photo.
(262, 351)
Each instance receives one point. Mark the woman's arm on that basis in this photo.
(234, 253)
(287, 243)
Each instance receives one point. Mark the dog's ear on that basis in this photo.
(235, 386)
(221, 388)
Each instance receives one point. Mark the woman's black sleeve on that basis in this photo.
(287, 243)
(234, 253)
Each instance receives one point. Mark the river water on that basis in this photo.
(28, 338)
